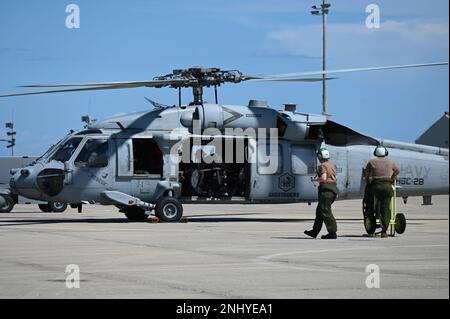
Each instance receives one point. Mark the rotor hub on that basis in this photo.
(198, 77)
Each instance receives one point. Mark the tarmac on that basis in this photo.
(223, 251)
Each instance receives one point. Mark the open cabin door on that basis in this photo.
(139, 166)
(215, 169)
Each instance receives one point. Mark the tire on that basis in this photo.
(400, 223)
(169, 209)
(57, 207)
(135, 214)
(370, 224)
(45, 208)
(8, 205)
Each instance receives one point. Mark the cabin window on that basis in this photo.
(124, 161)
(93, 155)
(147, 157)
(281, 127)
(303, 160)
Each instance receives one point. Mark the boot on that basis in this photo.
(329, 236)
(384, 235)
(311, 233)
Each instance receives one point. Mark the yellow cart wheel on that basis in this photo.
(400, 223)
(370, 224)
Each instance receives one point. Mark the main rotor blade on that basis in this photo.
(103, 84)
(393, 67)
(95, 86)
(291, 79)
(185, 82)
(67, 90)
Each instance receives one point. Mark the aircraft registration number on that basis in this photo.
(410, 181)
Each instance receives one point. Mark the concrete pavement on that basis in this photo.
(224, 251)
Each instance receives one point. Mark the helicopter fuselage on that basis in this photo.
(214, 153)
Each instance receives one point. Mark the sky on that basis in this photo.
(136, 40)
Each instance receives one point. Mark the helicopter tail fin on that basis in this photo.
(437, 134)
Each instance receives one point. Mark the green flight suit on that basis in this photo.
(327, 196)
(383, 193)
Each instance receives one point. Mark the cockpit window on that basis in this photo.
(64, 153)
(47, 153)
(93, 154)
(87, 132)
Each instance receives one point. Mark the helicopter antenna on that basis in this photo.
(156, 105)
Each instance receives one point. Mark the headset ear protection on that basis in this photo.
(323, 154)
(380, 151)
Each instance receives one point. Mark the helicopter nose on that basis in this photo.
(50, 181)
(38, 181)
(23, 182)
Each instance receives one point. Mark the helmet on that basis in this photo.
(323, 154)
(380, 151)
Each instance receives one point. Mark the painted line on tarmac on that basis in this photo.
(267, 260)
(269, 257)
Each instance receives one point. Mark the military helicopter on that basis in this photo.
(152, 162)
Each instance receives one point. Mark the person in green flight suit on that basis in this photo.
(380, 173)
(328, 191)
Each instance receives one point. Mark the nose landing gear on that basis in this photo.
(6, 203)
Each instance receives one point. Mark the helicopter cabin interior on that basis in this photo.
(147, 157)
(210, 173)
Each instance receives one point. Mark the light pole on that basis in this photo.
(12, 139)
(323, 10)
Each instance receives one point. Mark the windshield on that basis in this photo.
(64, 152)
(49, 151)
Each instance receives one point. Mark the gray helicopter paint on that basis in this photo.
(7, 164)
(424, 168)
(12, 163)
(236, 116)
(340, 157)
(421, 173)
(90, 182)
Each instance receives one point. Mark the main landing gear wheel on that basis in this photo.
(135, 214)
(57, 207)
(400, 223)
(169, 209)
(8, 205)
(45, 208)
